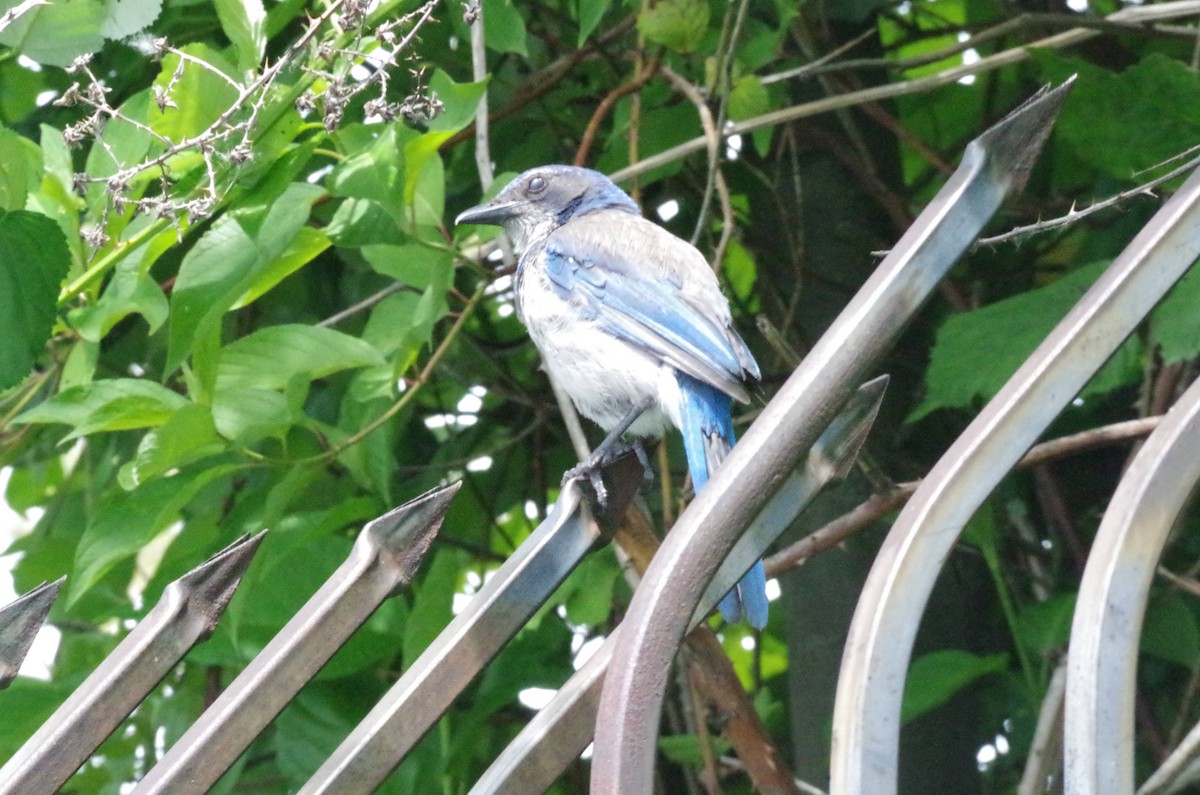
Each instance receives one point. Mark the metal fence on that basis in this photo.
(807, 436)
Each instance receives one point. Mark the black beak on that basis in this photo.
(493, 213)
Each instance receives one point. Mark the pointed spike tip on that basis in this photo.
(839, 445)
(424, 514)
(212, 584)
(1013, 143)
(20, 621)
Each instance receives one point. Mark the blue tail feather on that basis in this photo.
(707, 438)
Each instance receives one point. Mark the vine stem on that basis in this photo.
(420, 381)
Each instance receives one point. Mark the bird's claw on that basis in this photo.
(592, 468)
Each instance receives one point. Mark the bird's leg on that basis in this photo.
(610, 450)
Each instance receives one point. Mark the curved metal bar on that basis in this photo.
(20, 621)
(561, 730)
(866, 719)
(663, 605)
(186, 613)
(1181, 769)
(1102, 664)
(385, 557)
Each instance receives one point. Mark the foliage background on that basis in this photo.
(231, 299)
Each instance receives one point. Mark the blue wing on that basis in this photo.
(652, 313)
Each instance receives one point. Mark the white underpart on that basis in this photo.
(604, 376)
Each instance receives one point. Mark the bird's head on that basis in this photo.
(542, 199)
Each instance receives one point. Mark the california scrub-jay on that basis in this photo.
(631, 323)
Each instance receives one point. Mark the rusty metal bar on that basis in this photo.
(384, 558)
(20, 621)
(561, 730)
(493, 616)
(627, 726)
(186, 613)
(1102, 664)
(866, 727)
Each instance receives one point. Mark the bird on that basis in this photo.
(631, 323)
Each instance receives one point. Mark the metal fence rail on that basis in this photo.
(806, 437)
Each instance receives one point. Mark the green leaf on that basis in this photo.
(934, 678)
(303, 249)
(248, 414)
(1170, 631)
(131, 290)
(678, 25)
(685, 749)
(748, 98)
(20, 169)
(127, 522)
(503, 27)
(361, 222)
(431, 605)
(55, 33)
(425, 180)
(459, 101)
(188, 435)
(114, 404)
(271, 357)
(588, 591)
(376, 172)
(1155, 102)
(200, 95)
(244, 22)
(33, 263)
(245, 402)
(127, 17)
(741, 273)
(976, 352)
(226, 263)
(589, 13)
(1046, 626)
(1175, 323)
(414, 265)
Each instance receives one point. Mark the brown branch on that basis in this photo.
(879, 505)
(606, 105)
(542, 82)
(1014, 55)
(712, 671)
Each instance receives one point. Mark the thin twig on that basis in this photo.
(602, 110)
(709, 124)
(877, 506)
(483, 157)
(1074, 215)
(1131, 14)
(16, 12)
(413, 388)
(362, 306)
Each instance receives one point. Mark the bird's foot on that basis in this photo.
(605, 455)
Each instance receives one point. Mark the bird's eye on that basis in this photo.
(536, 185)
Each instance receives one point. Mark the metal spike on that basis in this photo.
(493, 616)
(20, 621)
(563, 728)
(384, 557)
(186, 613)
(664, 603)
(866, 727)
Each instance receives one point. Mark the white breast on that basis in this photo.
(604, 376)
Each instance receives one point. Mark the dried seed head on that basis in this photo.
(240, 153)
(79, 63)
(69, 98)
(471, 12)
(162, 98)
